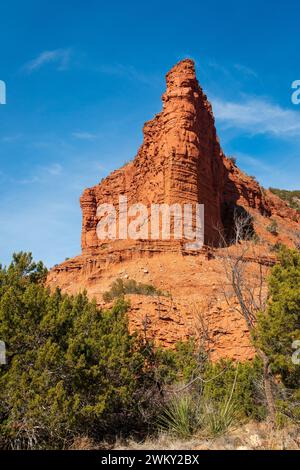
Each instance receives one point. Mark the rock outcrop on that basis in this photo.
(179, 162)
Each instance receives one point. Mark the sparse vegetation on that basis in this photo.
(277, 247)
(75, 375)
(297, 244)
(279, 326)
(255, 238)
(291, 197)
(273, 228)
(224, 394)
(182, 416)
(71, 369)
(121, 287)
(248, 390)
(233, 160)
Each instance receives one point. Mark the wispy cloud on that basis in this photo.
(245, 70)
(40, 175)
(281, 171)
(55, 169)
(26, 181)
(8, 139)
(231, 70)
(60, 57)
(84, 135)
(219, 67)
(255, 163)
(257, 116)
(129, 72)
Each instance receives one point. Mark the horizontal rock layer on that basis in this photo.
(180, 161)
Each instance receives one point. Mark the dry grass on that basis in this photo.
(84, 443)
(162, 442)
(252, 436)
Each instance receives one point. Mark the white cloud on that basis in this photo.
(25, 181)
(219, 68)
(245, 70)
(257, 116)
(230, 70)
(11, 138)
(84, 135)
(61, 57)
(255, 163)
(129, 72)
(54, 170)
(41, 174)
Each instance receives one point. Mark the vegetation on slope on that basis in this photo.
(278, 332)
(291, 197)
(73, 370)
(121, 287)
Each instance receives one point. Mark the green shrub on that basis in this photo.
(277, 247)
(193, 411)
(218, 417)
(277, 330)
(179, 365)
(75, 370)
(72, 369)
(219, 378)
(121, 287)
(291, 197)
(273, 228)
(181, 417)
(297, 243)
(279, 326)
(255, 238)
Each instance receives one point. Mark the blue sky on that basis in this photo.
(82, 77)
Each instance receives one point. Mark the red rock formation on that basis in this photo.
(180, 161)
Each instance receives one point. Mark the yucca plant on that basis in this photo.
(181, 416)
(219, 416)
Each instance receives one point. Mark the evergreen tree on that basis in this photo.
(72, 369)
(279, 327)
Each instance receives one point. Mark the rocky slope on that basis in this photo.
(291, 197)
(180, 161)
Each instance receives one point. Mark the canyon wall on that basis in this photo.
(180, 161)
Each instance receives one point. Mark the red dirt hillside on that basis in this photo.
(180, 161)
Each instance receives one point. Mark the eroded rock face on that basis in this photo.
(180, 161)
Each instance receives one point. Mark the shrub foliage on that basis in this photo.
(71, 368)
(121, 287)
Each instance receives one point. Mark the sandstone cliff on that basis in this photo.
(180, 161)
